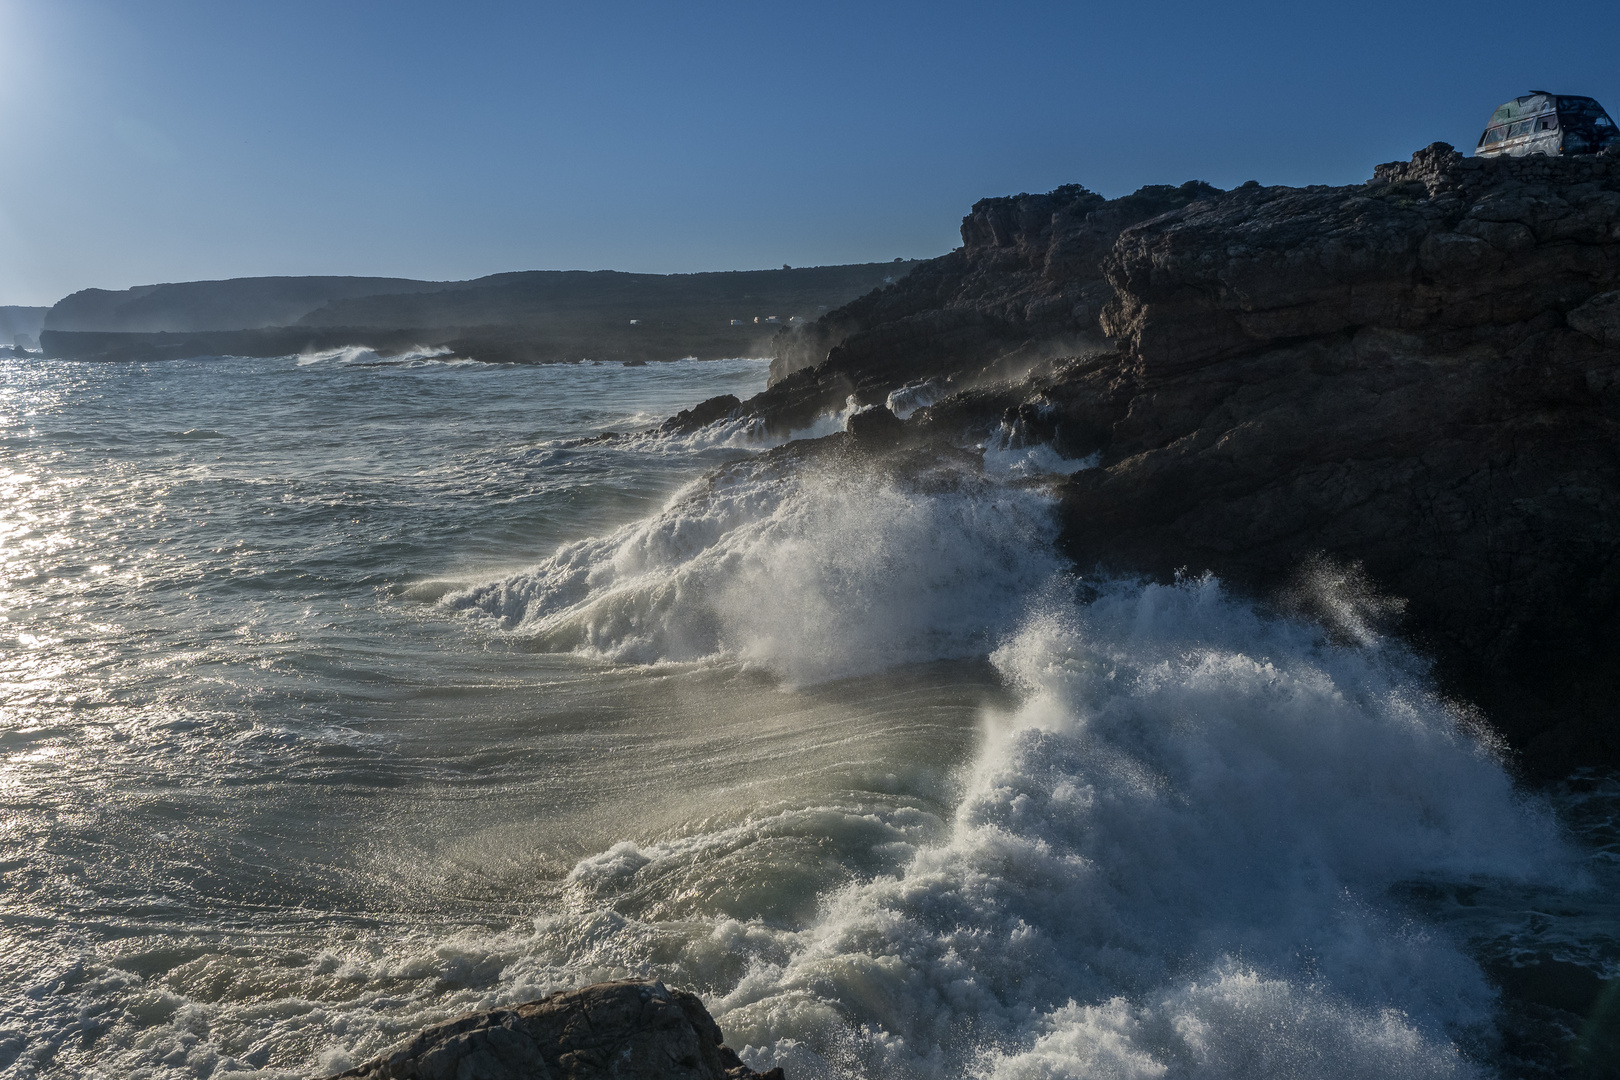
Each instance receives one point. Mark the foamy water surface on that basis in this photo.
(344, 695)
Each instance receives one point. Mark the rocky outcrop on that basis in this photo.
(1415, 380)
(1027, 283)
(609, 1031)
(702, 414)
(1415, 374)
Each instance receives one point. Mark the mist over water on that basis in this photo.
(342, 696)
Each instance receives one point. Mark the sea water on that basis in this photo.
(343, 695)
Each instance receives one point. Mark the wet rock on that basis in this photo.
(613, 1031)
(876, 427)
(1418, 376)
(1599, 319)
(1026, 284)
(702, 414)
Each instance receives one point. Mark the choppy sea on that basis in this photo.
(342, 695)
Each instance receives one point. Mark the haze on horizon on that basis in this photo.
(175, 140)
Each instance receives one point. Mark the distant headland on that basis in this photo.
(537, 316)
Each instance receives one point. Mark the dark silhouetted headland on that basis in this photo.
(540, 316)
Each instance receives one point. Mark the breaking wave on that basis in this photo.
(809, 574)
(1182, 854)
(1186, 846)
(1175, 858)
(365, 356)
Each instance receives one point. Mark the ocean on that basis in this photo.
(343, 695)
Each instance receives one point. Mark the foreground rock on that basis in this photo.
(1418, 376)
(613, 1031)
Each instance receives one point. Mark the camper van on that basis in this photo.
(1555, 125)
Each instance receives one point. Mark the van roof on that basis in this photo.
(1532, 104)
(1535, 103)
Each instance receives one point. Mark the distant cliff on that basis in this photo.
(530, 317)
(1345, 399)
(233, 304)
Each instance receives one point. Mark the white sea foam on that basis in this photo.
(808, 574)
(1178, 857)
(828, 423)
(1035, 460)
(1187, 849)
(364, 356)
(1173, 860)
(731, 433)
(744, 433)
(913, 396)
(1012, 451)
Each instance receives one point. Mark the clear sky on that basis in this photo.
(168, 140)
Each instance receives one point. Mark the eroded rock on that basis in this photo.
(1599, 319)
(610, 1031)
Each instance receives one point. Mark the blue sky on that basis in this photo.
(164, 140)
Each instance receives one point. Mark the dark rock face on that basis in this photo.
(1419, 375)
(702, 414)
(1416, 374)
(1026, 283)
(876, 426)
(612, 1031)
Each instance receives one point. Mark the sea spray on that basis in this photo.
(270, 811)
(810, 573)
(1181, 854)
(365, 356)
(1175, 858)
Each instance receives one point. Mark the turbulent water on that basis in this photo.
(342, 696)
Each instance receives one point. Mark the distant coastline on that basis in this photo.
(541, 316)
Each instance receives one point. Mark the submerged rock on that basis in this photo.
(613, 1031)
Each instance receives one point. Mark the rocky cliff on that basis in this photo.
(1396, 403)
(1027, 283)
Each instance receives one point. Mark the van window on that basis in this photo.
(1547, 123)
(1493, 136)
(1520, 128)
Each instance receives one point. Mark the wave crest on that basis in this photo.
(811, 575)
(1176, 858)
